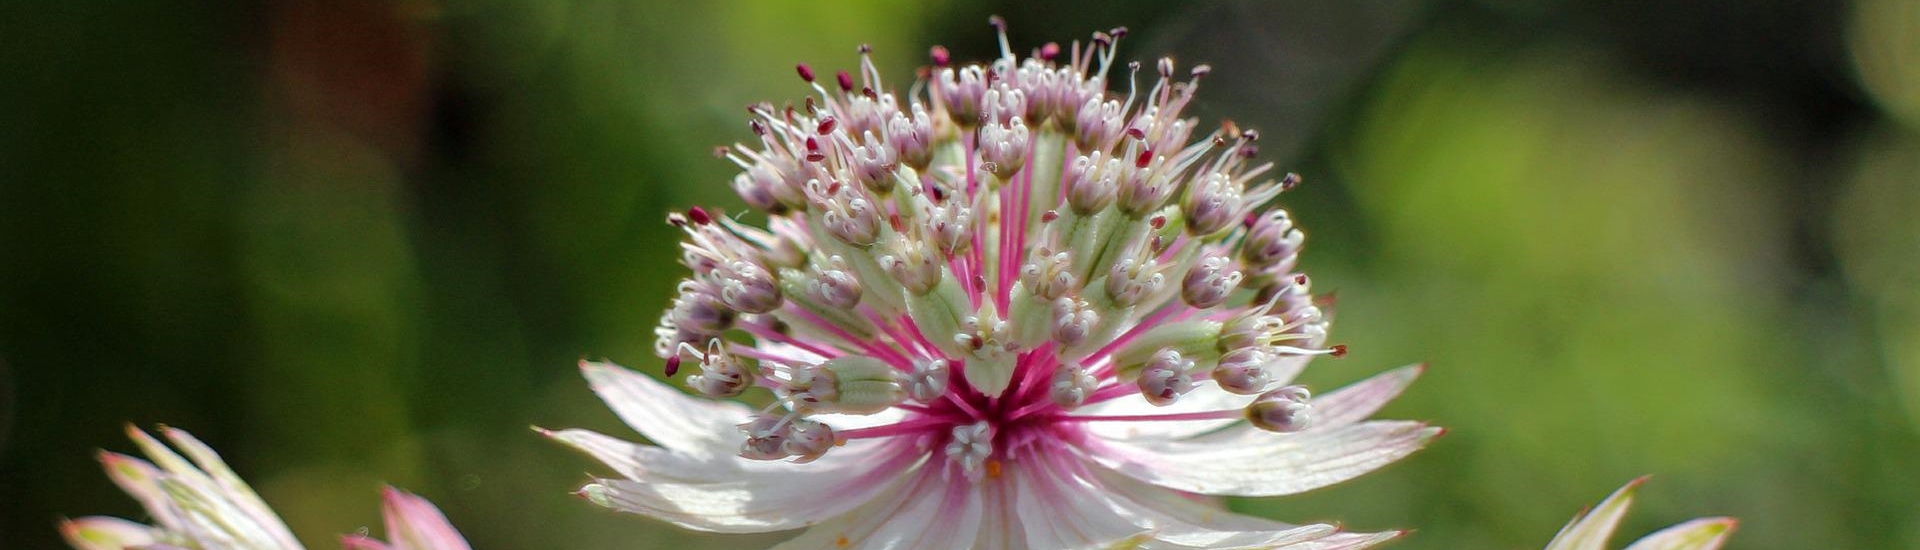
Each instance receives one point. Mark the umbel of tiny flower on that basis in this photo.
(197, 503)
(1591, 529)
(1011, 307)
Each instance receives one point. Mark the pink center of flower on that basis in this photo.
(1019, 246)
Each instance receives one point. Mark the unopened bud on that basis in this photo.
(1209, 282)
(807, 440)
(766, 438)
(1283, 410)
(1244, 371)
(747, 287)
(1165, 377)
(1071, 386)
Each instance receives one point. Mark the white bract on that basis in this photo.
(1018, 311)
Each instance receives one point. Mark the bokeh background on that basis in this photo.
(358, 241)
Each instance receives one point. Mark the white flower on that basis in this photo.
(198, 503)
(1010, 338)
(1590, 529)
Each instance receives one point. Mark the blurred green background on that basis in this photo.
(357, 242)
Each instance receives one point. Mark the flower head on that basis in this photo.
(1591, 528)
(1020, 310)
(198, 503)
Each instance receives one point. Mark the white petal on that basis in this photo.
(844, 422)
(1359, 400)
(931, 511)
(1265, 464)
(1181, 523)
(1205, 397)
(1699, 534)
(1591, 529)
(1059, 509)
(648, 462)
(747, 500)
(1000, 528)
(666, 415)
(1285, 369)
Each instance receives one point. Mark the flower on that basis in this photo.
(412, 524)
(198, 503)
(1020, 311)
(1590, 529)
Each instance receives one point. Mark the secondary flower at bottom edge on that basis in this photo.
(1590, 529)
(198, 503)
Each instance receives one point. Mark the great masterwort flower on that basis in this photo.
(1006, 309)
(1591, 529)
(197, 503)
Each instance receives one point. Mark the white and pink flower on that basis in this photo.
(1018, 312)
(197, 503)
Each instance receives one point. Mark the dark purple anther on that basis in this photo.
(806, 73)
(846, 81)
(940, 56)
(813, 151)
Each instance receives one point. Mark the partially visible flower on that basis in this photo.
(412, 524)
(198, 503)
(1591, 529)
(1021, 311)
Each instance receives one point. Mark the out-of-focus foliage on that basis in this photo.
(1885, 42)
(365, 241)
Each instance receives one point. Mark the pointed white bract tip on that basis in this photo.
(105, 533)
(597, 494)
